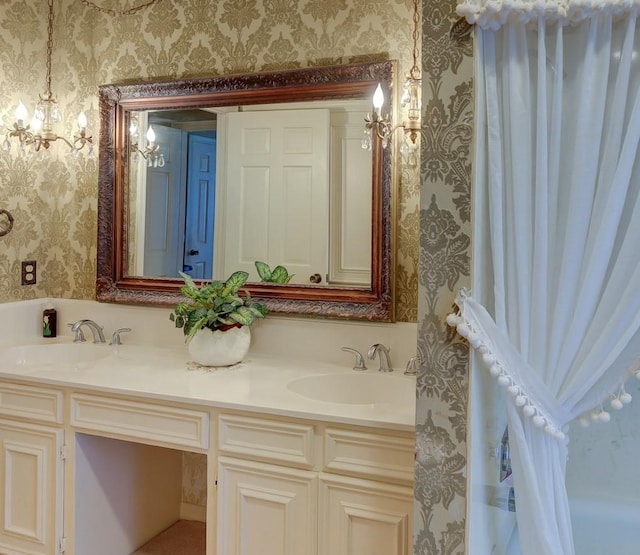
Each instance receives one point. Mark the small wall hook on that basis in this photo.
(6, 226)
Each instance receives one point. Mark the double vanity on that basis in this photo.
(302, 457)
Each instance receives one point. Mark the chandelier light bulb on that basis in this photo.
(82, 121)
(151, 136)
(21, 113)
(378, 99)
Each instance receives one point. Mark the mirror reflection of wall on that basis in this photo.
(286, 184)
(172, 205)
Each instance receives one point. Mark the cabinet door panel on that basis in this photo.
(31, 504)
(265, 509)
(362, 517)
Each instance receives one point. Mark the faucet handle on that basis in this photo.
(359, 365)
(115, 338)
(412, 366)
(79, 334)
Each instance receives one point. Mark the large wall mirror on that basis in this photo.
(207, 176)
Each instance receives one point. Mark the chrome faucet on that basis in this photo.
(383, 353)
(96, 330)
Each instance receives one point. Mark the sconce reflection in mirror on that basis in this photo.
(151, 152)
(6, 222)
(381, 124)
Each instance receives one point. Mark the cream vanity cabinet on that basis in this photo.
(94, 473)
(32, 470)
(304, 488)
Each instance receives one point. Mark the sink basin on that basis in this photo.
(355, 389)
(55, 353)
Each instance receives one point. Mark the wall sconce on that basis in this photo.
(411, 99)
(151, 152)
(38, 135)
(377, 123)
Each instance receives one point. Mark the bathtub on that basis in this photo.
(605, 527)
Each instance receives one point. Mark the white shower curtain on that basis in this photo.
(559, 113)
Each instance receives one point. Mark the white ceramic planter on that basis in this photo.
(220, 348)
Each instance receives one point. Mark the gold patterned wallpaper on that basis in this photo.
(444, 267)
(54, 201)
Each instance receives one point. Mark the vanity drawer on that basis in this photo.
(270, 440)
(370, 455)
(34, 403)
(150, 422)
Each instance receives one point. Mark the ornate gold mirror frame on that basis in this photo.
(321, 83)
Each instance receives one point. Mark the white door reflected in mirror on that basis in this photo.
(285, 184)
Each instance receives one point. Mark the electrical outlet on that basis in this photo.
(28, 272)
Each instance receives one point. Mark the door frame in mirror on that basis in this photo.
(318, 83)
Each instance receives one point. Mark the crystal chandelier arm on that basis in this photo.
(81, 140)
(151, 154)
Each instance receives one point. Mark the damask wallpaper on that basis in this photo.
(444, 267)
(54, 201)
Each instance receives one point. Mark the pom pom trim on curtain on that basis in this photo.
(477, 327)
(528, 393)
(493, 14)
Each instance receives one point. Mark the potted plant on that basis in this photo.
(216, 318)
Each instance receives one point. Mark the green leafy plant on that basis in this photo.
(278, 275)
(218, 305)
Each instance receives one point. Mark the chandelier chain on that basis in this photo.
(130, 11)
(414, 72)
(49, 48)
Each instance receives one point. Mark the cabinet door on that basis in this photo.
(363, 517)
(265, 509)
(31, 494)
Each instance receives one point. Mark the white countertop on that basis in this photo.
(258, 384)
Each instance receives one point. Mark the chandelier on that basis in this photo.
(380, 123)
(37, 136)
